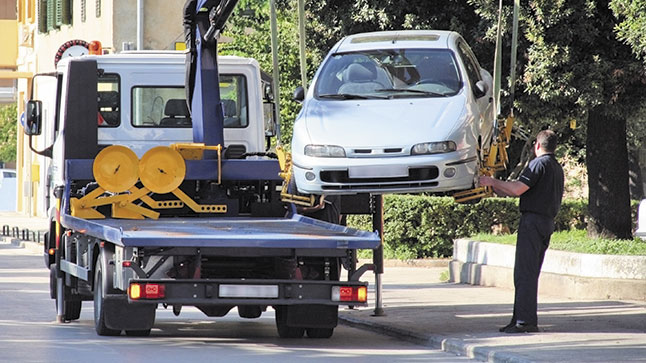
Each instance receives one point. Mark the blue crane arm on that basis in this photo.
(203, 20)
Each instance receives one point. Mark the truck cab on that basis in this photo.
(141, 103)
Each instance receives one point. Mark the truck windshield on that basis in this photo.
(396, 73)
(165, 106)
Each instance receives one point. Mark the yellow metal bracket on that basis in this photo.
(494, 160)
(161, 171)
(285, 163)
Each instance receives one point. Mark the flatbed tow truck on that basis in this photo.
(145, 216)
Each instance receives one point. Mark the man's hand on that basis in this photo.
(486, 181)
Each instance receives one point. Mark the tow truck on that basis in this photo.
(156, 206)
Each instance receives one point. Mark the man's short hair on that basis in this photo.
(547, 139)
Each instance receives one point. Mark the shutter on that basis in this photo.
(59, 12)
(51, 15)
(42, 16)
(98, 8)
(83, 10)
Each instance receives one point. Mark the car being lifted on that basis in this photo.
(397, 111)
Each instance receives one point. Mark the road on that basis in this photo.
(29, 333)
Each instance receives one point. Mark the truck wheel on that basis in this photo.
(319, 333)
(99, 295)
(71, 308)
(284, 331)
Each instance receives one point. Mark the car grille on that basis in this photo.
(381, 186)
(415, 175)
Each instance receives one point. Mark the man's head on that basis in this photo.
(545, 142)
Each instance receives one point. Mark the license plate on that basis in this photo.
(382, 171)
(249, 291)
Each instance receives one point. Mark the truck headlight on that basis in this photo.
(433, 148)
(324, 151)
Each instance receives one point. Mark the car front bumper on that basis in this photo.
(437, 173)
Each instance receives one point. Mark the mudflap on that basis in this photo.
(312, 316)
(119, 315)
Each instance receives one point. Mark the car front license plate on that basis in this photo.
(249, 291)
(386, 171)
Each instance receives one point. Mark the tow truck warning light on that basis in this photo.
(146, 291)
(349, 293)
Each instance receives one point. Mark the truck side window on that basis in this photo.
(109, 101)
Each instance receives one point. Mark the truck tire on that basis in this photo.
(99, 294)
(71, 307)
(319, 333)
(285, 331)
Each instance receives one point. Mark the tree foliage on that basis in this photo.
(8, 133)
(630, 29)
(249, 28)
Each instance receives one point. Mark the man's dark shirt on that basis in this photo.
(544, 177)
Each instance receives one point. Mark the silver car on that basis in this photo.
(398, 111)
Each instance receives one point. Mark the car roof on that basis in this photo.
(432, 39)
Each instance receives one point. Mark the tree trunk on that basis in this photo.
(607, 163)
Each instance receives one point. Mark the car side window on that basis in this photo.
(473, 70)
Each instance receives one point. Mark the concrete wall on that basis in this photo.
(564, 274)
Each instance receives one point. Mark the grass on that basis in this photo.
(577, 241)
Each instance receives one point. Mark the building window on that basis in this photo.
(52, 14)
(98, 8)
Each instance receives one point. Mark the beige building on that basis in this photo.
(42, 27)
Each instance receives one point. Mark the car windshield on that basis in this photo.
(389, 73)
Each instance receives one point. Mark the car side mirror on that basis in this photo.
(33, 118)
(480, 89)
(299, 94)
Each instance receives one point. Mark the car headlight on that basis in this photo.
(324, 151)
(433, 148)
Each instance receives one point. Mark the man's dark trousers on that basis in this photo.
(534, 232)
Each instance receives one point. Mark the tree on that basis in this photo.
(8, 133)
(575, 67)
(249, 27)
(630, 29)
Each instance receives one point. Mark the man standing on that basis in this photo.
(540, 187)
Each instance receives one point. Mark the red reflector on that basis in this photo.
(346, 293)
(126, 263)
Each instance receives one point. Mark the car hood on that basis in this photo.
(396, 122)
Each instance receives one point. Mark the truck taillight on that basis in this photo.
(138, 291)
(350, 293)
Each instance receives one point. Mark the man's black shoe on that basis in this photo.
(511, 324)
(522, 328)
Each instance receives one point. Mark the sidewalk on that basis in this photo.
(464, 319)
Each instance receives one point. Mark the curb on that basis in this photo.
(449, 345)
(31, 246)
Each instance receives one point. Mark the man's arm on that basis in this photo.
(504, 188)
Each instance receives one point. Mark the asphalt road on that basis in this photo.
(29, 333)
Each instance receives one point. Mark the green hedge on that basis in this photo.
(418, 226)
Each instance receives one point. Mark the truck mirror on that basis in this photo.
(269, 114)
(33, 118)
(299, 94)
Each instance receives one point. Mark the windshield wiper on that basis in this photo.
(428, 93)
(348, 96)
